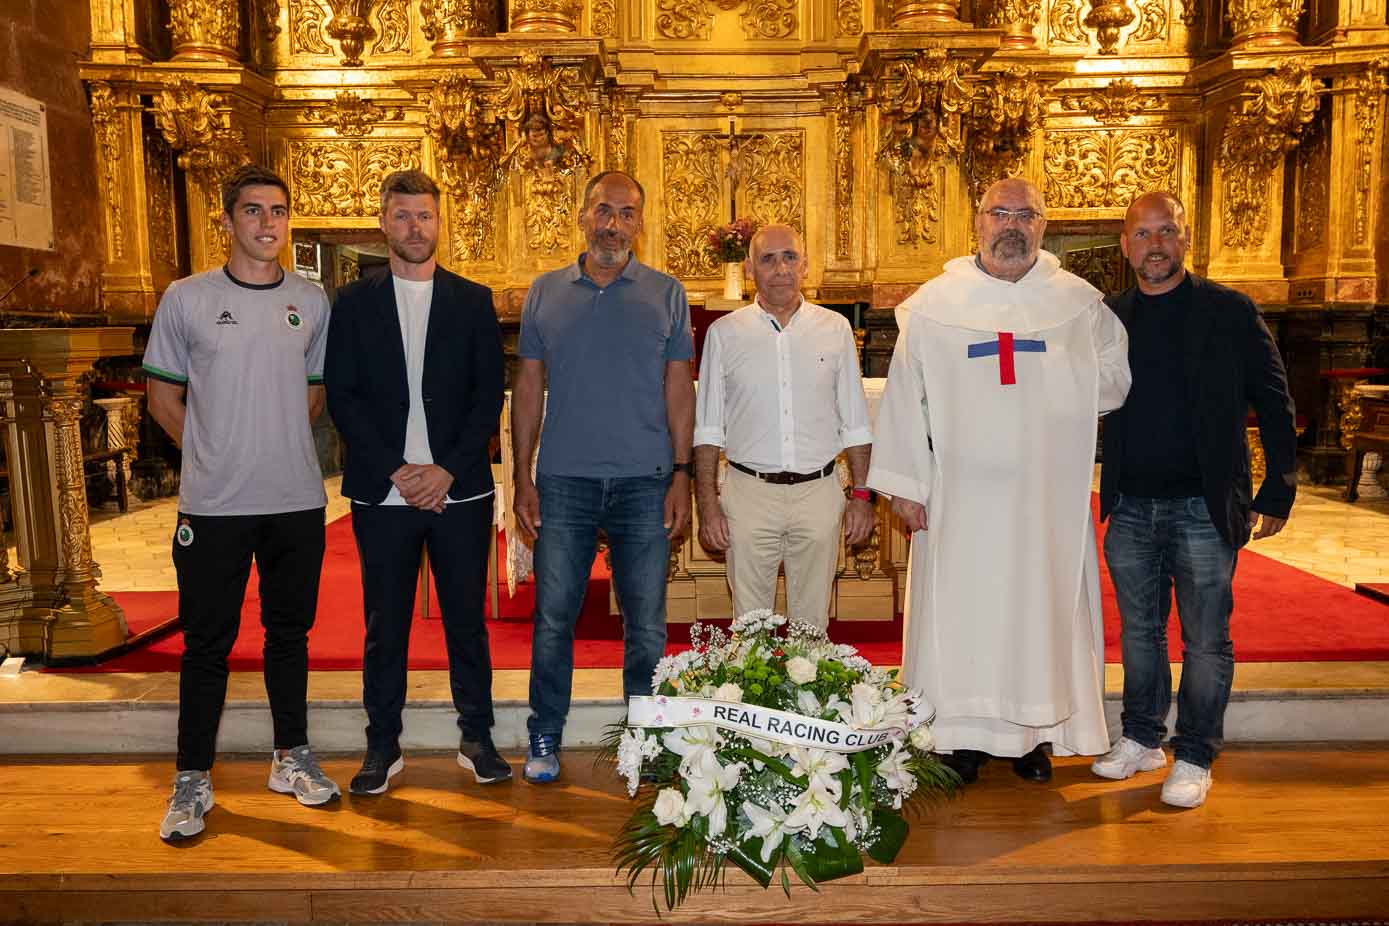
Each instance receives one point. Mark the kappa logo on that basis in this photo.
(226, 318)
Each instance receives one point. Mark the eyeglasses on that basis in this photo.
(1024, 216)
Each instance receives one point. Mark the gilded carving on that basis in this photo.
(159, 187)
(1113, 104)
(1369, 94)
(351, 27)
(197, 125)
(306, 28)
(842, 106)
(769, 19)
(342, 178)
(392, 28)
(351, 115)
(1108, 18)
(1016, 18)
(205, 28)
(1258, 134)
(618, 157)
(1152, 21)
(1192, 13)
(1101, 267)
(1007, 110)
(470, 149)
(544, 107)
(1108, 168)
(447, 23)
(684, 19)
(66, 410)
(692, 191)
(604, 18)
(866, 556)
(1264, 22)
(110, 136)
(761, 19)
(1063, 23)
(266, 14)
(924, 102)
(771, 168)
(1313, 186)
(848, 17)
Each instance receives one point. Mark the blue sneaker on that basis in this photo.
(542, 759)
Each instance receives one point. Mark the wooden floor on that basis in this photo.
(1288, 833)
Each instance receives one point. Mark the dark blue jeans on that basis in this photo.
(630, 510)
(1152, 546)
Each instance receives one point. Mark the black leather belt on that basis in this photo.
(784, 478)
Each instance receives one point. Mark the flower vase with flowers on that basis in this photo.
(730, 243)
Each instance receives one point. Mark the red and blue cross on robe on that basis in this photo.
(1004, 348)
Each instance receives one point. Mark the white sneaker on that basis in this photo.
(1186, 785)
(1128, 758)
(298, 773)
(191, 801)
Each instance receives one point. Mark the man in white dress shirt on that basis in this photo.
(780, 393)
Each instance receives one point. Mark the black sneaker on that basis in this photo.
(378, 768)
(480, 757)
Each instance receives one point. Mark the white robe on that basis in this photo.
(1003, 627)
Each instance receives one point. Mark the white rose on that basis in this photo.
(922, 738)
(670, 808)
(728, 691)
(801, 670)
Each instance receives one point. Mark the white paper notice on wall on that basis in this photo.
(26, 186)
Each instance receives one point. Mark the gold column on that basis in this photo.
(545, 15)
(450, 23)
(205, 30)
(1016, 18)
(54, 609)
(909, 15)
(1264, 23)
(127, 285)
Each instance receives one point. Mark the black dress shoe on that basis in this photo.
(378, 768)
(965, 763)
(1035, 766)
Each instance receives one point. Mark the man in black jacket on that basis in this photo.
(1175, 485)
(415, 377)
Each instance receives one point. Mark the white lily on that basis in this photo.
(767, 823)
(707, 786)
(815, 808)
(694, 745)
(893, 770)
(867, 702)
(838, 707)
(807, 703)
(631, 749)
(819, 766)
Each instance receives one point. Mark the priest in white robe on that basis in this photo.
(986, 441)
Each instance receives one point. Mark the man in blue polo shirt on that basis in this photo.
(611, 339)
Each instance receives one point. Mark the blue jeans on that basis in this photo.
(630, 510)
(1152, 545)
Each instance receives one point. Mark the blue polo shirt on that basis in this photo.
(605, 352)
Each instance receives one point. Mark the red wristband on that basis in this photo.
(864, 494)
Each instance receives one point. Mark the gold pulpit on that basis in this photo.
(51, 607)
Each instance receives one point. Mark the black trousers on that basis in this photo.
(390, 540)
(212, 556)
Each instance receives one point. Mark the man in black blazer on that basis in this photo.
(1175, 486)
(415, 376)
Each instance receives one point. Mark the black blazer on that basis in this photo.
(1231, 364)
(369, 398)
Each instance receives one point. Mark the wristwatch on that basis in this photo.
(865, 493)
(686, 468)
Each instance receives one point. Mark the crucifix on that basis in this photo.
(735, 166)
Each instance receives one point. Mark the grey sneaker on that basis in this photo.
(542, 759)
(191, 801)
(298, 773)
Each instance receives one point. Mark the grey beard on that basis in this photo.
(1010, 245)
(1154, 275)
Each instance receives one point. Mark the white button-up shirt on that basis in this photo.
(781, 399)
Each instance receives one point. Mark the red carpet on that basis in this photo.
(1282, 614)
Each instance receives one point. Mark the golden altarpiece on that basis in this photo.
(871, 125)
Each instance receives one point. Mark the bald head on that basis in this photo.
(1009, 226)
(777, 262)
(1155, 240)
